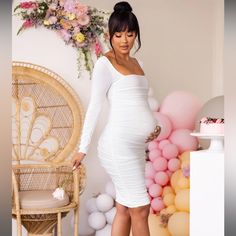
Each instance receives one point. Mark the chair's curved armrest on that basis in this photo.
(15, 189)
(79, 176)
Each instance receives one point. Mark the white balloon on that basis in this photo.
(153, 103)
(110, 215)
(106, 231)
(110, 189)
(150, 92)
(97, 220)
(104, 202)
(91, 205)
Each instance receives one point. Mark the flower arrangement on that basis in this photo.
(208, 120)
(77, 24)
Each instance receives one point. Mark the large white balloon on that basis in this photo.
(110, 215)
(104, 202)
(110, 189)
(106, 231)
(97, 220)
(91, 205)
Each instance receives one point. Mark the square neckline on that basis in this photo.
(120, 72)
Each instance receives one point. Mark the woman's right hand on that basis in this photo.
(76, 161)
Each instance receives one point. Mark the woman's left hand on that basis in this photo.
(154, 134)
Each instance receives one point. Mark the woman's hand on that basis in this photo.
(76, 161)
(154, 134)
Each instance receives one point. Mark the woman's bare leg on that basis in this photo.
(122, 222)
(139, 219)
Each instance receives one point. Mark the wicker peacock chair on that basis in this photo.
(47, 118)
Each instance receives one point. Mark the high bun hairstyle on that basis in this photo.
(123, 18)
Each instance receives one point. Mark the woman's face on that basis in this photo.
(122, 42)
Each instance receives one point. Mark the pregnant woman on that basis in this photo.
(121, 147)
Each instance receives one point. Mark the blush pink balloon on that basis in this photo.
(160, 164)
(149, 182)
(174, 164)
(183, 140)
(153, 154)
(165, 124)
(149, 170)
(161, 178)
(181, 108)
(157, 204)
(152, 145)
(170, 151)
(162, 143)
(155, 190)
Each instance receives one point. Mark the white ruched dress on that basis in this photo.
(121, 146)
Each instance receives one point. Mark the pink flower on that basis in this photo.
(52, 20)
(81, 9)
(28, 23)
(83, 20)
(27, 5)
(98, 49)
(65, 35)
(69, 6)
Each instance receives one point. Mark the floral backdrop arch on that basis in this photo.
(79, 25)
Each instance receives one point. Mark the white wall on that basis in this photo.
(182, 46)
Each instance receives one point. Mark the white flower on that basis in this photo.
(59, 193)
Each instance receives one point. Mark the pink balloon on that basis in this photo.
(170, 151)
(174, 164)
(160, 164)
(149, 182)
(181, 108)
(183, 140)
(155, 190)
(149, 170)
(157, 204)
(161, 178)
(165, 124)
(152, 145)
(153, 154)
(162, 143)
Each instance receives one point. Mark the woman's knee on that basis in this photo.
(122, 210)
(141, 212)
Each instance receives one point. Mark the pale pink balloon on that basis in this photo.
(153, 154)
(181, 108)
(183, 140)
(157, 204)
(174, 164)
(152, 145)
(165, 124)
(161, 178)
(160, 164)
(170, 151)
(162, 143)
(149, 182)
(155, 190)
(149, 170)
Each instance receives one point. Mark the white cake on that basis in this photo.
(212, 126)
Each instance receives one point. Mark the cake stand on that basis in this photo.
(216, 141)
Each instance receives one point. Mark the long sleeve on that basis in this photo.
(101, 81)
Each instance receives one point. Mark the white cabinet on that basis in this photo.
(206, 193)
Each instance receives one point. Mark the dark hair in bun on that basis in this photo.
(122, 6)
(123, 18)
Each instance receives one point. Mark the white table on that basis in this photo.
(207, 193)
